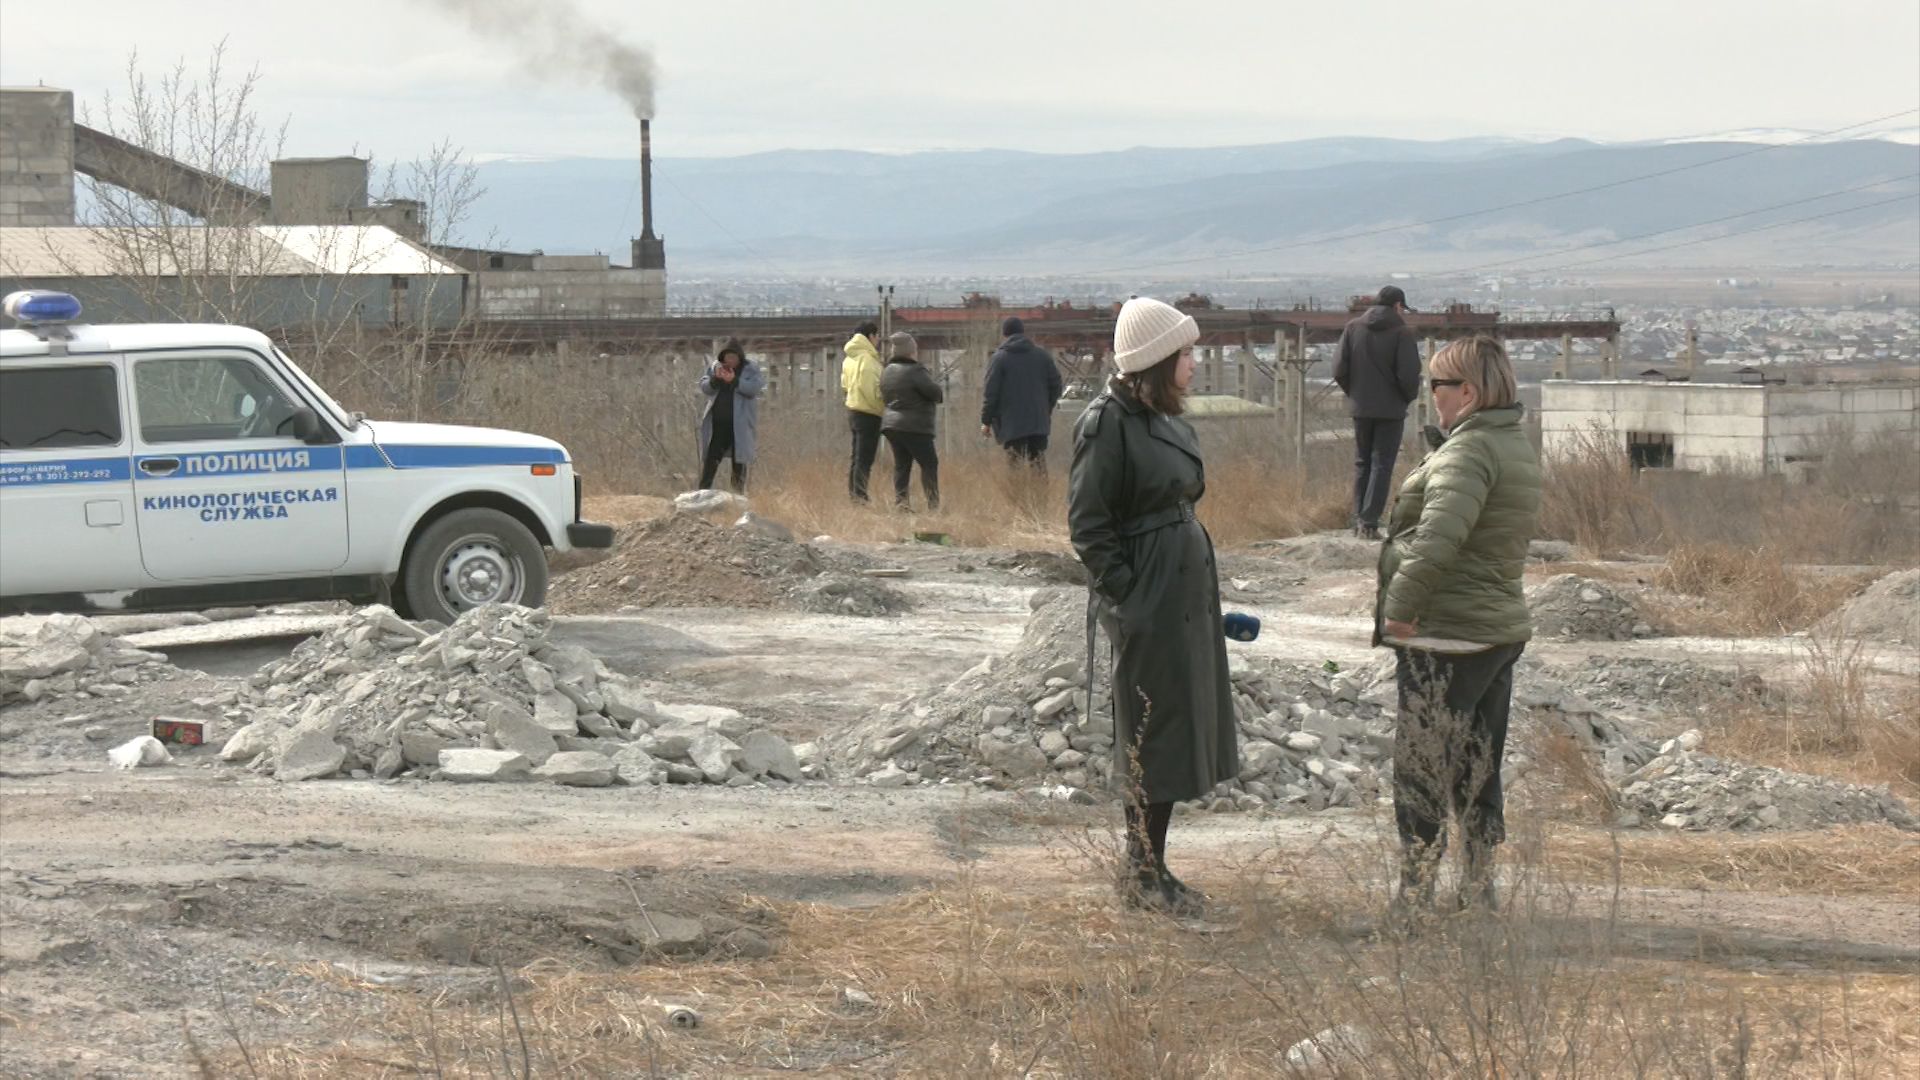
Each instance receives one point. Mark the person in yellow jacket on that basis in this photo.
(860, 378)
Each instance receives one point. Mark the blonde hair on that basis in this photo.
(1480, 361)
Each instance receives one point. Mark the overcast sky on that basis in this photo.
(394, 76)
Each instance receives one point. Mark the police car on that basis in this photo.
(182, 466)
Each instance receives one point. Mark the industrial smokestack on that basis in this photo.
(649, 251)
(646, 178)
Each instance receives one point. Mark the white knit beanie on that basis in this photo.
(1149, 332)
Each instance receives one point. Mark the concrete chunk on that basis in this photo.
(309, 753)
(469, 765)
(576, 768)
(633, 765)
(715, 755)
(517, 732)
(556, 714)
(767, 754)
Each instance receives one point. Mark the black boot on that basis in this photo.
(1413, 897)
(1476, 880)
(1183, 900)
(1142, 885)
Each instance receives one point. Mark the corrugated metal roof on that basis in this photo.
(262, 251)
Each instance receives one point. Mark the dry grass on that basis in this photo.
(987, 503)
(1749, 590)
(1591, 497)
(1055, 980)
(1860, 860)
(1857, 510)
(1839, 718)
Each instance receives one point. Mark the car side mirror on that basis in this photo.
(308, 428)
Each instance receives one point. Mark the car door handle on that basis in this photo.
(160, 466)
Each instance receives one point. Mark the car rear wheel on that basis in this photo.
(473, 557)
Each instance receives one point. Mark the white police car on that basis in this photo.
(170, 467)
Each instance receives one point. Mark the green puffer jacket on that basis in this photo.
(1457, 539)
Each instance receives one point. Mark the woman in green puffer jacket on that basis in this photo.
(1451, 604)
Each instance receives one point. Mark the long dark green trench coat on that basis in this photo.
(1136, 475)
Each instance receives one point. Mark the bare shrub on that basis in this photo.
(1751, 589)
(1590, 497)
(1841, 717)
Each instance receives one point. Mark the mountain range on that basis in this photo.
(1501, 205)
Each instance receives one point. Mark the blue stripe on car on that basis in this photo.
(278, 460)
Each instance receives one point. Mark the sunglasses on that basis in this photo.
(1434, 385)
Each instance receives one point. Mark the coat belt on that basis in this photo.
(1159, 519)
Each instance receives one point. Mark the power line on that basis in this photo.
(1734, 233)
(1362, 234)
(718, 224)
(1676, 228)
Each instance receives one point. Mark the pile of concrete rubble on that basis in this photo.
(489, 698)
(1309, 739)
(1576, 608)
(1682, 788)
(67, 656)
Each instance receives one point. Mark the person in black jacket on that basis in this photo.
(1155, 589)
(1378, 368)
(1023, 386)
(908, 424)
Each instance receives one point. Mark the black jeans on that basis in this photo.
(1376, 446)
(720, 445)
(1028, 450)
(909, 448)
(1449, 742)
(866, 446)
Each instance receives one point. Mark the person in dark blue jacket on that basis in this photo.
(1023, 386)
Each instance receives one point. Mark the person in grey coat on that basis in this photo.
(1023, 386)
(1378, 368)
(1154, 588)
(911, 393)
(730, 425)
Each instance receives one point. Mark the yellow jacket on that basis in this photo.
(860, 377)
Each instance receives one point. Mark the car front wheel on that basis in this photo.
(473, 557)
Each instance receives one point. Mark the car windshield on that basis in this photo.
(340, 413)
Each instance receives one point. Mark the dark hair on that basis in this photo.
(869, 328)
(1156, 388)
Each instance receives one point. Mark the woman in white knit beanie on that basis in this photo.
(1137, 473)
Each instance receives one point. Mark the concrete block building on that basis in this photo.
(1764, 428)
(36, 156)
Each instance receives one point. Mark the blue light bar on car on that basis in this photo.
(37, 308)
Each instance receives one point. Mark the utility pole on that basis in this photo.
(886, 313)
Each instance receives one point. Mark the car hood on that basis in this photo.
(390, 434)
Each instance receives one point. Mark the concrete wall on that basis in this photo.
(571, 294)
(268, 304)
(318, 191)
(1759, 428)
(1804, 421)
(36, 156)
(1713, 427)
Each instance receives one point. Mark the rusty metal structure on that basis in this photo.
(1062, 326)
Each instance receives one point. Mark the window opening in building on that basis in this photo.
(1650, 449)
(50, 408)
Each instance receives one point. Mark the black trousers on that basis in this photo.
(720, 445)
(1449, 742)
(1376, 446)
(908, 449)
(1028, 450)
(866, 446)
